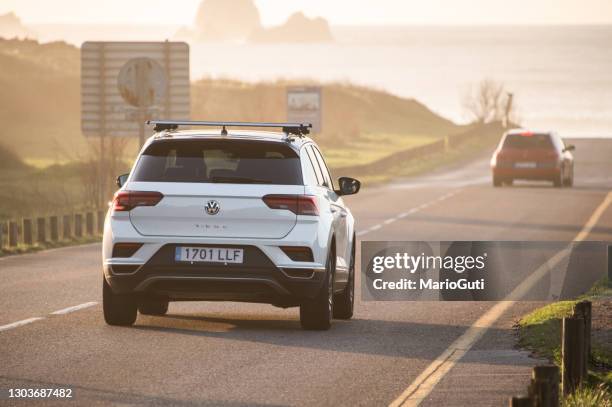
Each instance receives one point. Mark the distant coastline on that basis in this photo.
(433, 64)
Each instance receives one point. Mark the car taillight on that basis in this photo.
(298, 204)
(128, 200)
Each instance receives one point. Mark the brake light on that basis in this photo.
(527, 134)
(128, 200)
(298, 204)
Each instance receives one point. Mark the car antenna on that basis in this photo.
(224, 131)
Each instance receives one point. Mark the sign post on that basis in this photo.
(124, 84)
(304, 105)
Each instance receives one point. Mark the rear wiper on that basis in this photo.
(239, 180)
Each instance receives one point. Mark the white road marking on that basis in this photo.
(58, 312)
(423, 385)
(74, 308)
(407, 213)
(19, 323)
(442, 182)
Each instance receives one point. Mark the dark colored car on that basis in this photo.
(528, 155)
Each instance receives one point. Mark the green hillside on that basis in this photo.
(47, 166)
(39, 102)
(9, 160)
(347, 109)
(40, 107)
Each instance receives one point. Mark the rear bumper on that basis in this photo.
(547, 174)
(257, 280)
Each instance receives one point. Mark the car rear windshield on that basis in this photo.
(530, 141)
(219, 161)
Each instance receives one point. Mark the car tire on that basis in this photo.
(152, 306)
(316, 314)
(569, 181)
(497, 182)
(119, 309)
(509, 182)
(344, 302)
(558, 181)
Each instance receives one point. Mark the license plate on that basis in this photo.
(525, 165)
(209, 254)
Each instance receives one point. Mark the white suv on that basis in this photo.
(244, 215)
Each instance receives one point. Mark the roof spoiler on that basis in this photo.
(298, 129)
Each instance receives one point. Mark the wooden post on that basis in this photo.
(101, 216)
(572, 352)
(41, 230)
(54, 228)
(610, 266)
(102, 90)
(520, 401)
(13, 234)
(67, 227)
(89, 221)
(544, 387)
(27, 232)
(78, 225)
(583, 310)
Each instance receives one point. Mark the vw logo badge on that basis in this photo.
(212, 207)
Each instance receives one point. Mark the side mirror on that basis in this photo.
(571, 147)
(121, 179)
(348, 186)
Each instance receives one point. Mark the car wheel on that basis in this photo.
(345, 301)
(497, 182)
(316, 314)
(569, 181)
(509, 182)
(558, 180)
(119, 309)
(153, 306)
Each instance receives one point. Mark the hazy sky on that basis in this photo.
(373, 12)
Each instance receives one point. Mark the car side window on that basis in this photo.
(324, 169)
(315, 166)
(310, 175)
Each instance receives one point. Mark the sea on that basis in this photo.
(560, 76)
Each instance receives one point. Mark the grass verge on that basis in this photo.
(370, 147)
(467, 151)
(540, 332)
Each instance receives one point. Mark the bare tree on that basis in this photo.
(99, 170)
(487, 102)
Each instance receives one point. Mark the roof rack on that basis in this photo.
(298, 129)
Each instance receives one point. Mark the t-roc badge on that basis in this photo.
(212, 207)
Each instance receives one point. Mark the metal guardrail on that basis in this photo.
(51, 229)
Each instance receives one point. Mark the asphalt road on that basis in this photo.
(241, 354)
